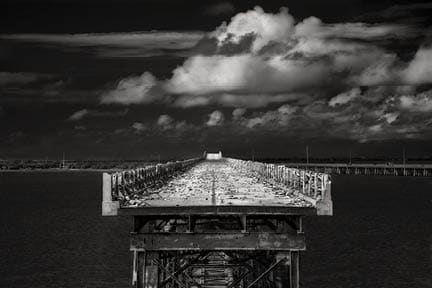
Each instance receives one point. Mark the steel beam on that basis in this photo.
(264, 273)
(217, 241)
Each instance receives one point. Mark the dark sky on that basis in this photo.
(77, 16)
(133, 79)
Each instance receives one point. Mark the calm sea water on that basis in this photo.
(52, 234)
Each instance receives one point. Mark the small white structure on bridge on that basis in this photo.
(213, 156)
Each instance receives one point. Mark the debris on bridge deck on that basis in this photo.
(218, 182)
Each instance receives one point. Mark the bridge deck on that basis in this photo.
(216, 183)
(225, 186)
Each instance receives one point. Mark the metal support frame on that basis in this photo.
(265, 273)
(198, 251)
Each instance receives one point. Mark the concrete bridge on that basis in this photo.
(216, 222)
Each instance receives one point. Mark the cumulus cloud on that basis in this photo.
(247, 74)
(238, 113)
(390, 117)
(139, 127)
(164, 125)
(216, 118)
(376, 128)
(285, 58)
(421, 102)
(345, 97)
(78, 115)
(201, 74)
(419, 70)
(275, 118)
(277, 60)
(384, 71)
(133, 90)
(266, 27)
(83, 113)
(375, 114)
(235, 100)
(165, 121)
(310, 69)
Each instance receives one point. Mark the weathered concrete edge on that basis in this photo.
(325, 205)
(324, 208)
(217, 210)
(109, 207)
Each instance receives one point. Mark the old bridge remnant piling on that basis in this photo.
(216, 222)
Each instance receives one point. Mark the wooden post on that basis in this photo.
(191, 224)
(325, 205)
(302, 177)
(290, 181)
(315, 185)
(295, 269)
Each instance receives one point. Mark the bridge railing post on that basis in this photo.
(118, 186)
(325, 204)
(311, 185)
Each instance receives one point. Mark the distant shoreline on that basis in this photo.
(58, 170)
(101, 170)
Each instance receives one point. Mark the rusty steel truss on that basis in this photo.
(217, 251)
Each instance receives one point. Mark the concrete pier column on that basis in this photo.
(139, 265)
(151, 271)
(146, 272)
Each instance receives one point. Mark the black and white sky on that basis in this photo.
(133, 79)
